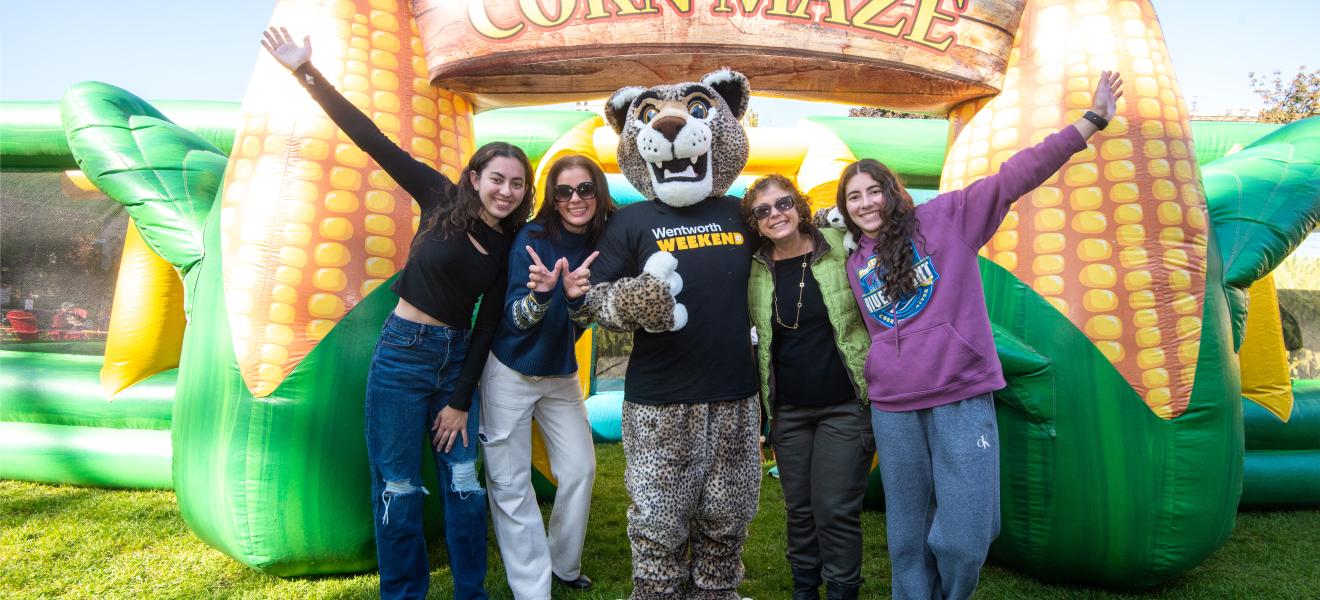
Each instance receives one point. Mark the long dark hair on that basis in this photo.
(801, 204)
(551, 224)
(899, 228)
(454, 217)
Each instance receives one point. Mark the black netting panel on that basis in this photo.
(1299, 307)
(612, 350)
(59, 259)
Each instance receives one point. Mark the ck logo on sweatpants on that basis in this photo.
(982, 443)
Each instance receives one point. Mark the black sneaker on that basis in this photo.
(580, 584)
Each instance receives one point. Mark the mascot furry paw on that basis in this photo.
(674, 270)
(646, 301)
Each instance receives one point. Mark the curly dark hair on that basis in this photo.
(898, 226)
(454, 215)
(549, 218)
(801, 204)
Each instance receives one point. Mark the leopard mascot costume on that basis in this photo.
(675, 270)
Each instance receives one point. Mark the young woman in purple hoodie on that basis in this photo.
(932, 366)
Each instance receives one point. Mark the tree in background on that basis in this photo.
(1291, 101)
(884, 113)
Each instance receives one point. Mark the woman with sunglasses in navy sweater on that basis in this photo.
(532, 374)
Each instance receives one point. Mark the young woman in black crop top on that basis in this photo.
(428, 359)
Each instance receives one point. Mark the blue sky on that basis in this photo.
(184, 50)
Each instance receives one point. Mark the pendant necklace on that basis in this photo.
(802, 284)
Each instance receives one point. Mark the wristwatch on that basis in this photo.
(1100, 122)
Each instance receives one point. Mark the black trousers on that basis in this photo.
(824, 454)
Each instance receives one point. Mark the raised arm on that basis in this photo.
(425, 184)
(978, 209)
(1104, 103)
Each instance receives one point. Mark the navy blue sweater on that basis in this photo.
(536, 335)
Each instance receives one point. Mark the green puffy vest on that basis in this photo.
(828, 269)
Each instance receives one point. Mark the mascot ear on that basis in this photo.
(616, 109)
(732, 86)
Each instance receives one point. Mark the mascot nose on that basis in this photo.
(669, 127)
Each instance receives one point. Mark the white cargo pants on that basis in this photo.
(510, 400)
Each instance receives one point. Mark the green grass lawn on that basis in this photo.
(59, 541)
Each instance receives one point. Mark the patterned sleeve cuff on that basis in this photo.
(527, 311)
(580, 313)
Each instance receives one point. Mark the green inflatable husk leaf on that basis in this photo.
(1265, 199)
(165, 175)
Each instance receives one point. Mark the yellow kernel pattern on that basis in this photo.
(1116, 239)
(310, 223)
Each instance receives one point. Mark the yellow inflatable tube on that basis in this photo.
(1265, 378)
(146, 319)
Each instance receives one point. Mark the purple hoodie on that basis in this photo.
(934, 346)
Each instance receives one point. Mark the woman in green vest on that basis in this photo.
(812, 347)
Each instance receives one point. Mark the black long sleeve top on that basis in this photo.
(444, 275)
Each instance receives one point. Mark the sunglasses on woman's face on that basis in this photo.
(782, 204)
(585, 190)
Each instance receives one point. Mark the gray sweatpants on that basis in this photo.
(940, 468)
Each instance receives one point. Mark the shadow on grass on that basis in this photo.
(42, 500)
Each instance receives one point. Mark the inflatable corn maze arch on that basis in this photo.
(1118, 290)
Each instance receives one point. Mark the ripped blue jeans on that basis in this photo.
(412, 375)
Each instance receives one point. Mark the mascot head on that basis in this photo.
(682, 143)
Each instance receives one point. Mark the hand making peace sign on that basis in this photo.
(539, 278)
(577, 283)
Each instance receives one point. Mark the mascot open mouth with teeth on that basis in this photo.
(675, 270)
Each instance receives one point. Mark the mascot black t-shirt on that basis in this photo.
(710, 359)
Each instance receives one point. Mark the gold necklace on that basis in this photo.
(802, 285)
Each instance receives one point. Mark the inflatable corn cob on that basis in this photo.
(1122, 228)
(311, 225)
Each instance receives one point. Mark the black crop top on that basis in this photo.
(444, 275)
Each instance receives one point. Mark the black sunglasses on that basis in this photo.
(585, 190)
(782, 204)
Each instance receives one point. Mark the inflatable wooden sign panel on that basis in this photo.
(922, 55)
